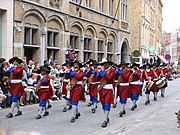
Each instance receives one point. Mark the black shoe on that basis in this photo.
(141, 94)
(89, 104)
(70, 107)
(93, 110)
(49, 106)
(147, 102)
(77, 115)
(38, 116)
(155, 99)
(114, 105)
(64, 109)
(133, 107)
(162, 95)
(124, 112)
(96, 107)
(104, 124)
(46, 113)
(18, 113)
(10, 115)
(108, 120)
(72, 120)
(121, 114)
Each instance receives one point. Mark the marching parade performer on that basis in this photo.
(106, 75)
(123, 86)
(115, 85)
(76, 88)
(92, 84)
(156, 74)
(147, 83)
(65, 81)
(44, 90)
(16, 88)
(165, 70)
(135, 84)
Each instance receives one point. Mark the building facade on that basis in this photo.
(146, 29)
(175, 46)
(94, 28)
(6, 28)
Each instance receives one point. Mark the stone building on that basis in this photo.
(46, 28)
(146, 29)
(6, 28)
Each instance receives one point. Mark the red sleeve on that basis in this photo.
(143, 76)
(110, 75)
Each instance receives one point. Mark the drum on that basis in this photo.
(149, 85)
(160, 83)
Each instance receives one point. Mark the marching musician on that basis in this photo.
(135, 84)
(146, 78)
(44, 90)
(16, 88)
(106, 75)
(123, 85)
(65, 80)
(76, 88)
(165, 70)
(156, 73)
(115, 85)
(93, 84)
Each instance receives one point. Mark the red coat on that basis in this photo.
(45, 93)
(106, 95)
(135, 85)
(149, 74)
(17, 88)
(124, 91)
(155, 79)
(65, 83)
(93, 87)
(165, 71)
(77, 93)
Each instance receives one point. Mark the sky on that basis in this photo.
(171, 16)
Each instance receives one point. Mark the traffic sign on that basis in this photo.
(167, 56)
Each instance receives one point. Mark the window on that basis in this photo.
(100, 45)
(53, 53)
(73, 41)
(75, 1)
(109, 56)
(87, 43)
(31, 36)
(87, 55)
(111, 7)
(124, 10)
(109, 46)
(100, 56)
(88, 3)
(101, 5)
(52, 38)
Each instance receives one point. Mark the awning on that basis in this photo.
(163, 59)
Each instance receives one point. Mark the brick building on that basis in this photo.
(146, 29)
(46, 28)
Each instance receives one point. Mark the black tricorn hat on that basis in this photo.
(89, 61)
(123, 63)
(77, 61)
(15, 58)
(46, 69)
(104, 61)
(135, 64)
(94, 62)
